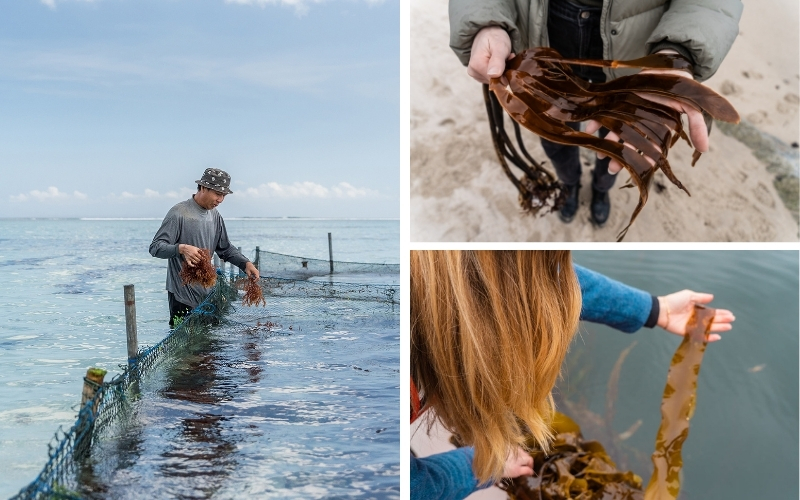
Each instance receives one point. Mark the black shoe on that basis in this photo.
(570, 207)
(600, 208)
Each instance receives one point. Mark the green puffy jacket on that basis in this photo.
(703, 30)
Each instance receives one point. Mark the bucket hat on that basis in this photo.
(216, 179)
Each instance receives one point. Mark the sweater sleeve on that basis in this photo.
(226, 250)
(165, 242)
(444, 476)
(613, 303)
(704, 28)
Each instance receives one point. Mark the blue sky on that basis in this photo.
(113, 108)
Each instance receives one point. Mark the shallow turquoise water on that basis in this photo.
(61, 310)
(743, 436)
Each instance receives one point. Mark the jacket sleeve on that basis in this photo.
(468, 17)
(444, 476)
(165, 242)
(705, 28)
(226, 250)
(615, 304)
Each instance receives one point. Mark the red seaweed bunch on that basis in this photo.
(200, 274)
(252, 293)
(540, 92)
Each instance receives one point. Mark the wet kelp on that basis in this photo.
(539, 91)
(582, 470)
(575, 469)
(677, 406)
(202, 273)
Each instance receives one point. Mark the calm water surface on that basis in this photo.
(61, 311)
(743, 436)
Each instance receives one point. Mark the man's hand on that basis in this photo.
(676, 308)
(191, 254)
(518, 463)
(491, 47)
(698, 132)
(251, 271)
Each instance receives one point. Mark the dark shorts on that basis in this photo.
(177, 310)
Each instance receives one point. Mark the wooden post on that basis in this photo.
(93, 379)
(216, 261)
(241, 273)
(257, 263)
(130, 323)
(83, 439)
(330, 251)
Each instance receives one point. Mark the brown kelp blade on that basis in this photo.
(575, 468)
(677, 406)
(540, 92)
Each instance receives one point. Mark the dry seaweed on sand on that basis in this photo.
(580, 469)
(539, 91)
(253, 296)
(202, 273)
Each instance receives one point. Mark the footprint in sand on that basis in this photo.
(757, 117)
(729, 88)
(755, 75)
(763, 195)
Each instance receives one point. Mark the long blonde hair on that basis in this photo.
(489, 331)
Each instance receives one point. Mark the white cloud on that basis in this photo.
(308, 189)
(52, 3)
(50, 194)
(301, 7)
(180, 194)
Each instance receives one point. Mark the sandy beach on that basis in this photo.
(459, 192)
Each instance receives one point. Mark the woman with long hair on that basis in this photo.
(489, 332)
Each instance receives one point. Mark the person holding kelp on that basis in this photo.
(489, 332)
(485, 33)
(191, 231)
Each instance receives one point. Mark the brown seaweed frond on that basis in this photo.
(575, 468)
(677, 406)
(539, 91)
(200, 274)
(252, 293)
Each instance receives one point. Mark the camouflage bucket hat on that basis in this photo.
(216, 179)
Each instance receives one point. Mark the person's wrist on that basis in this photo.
(663, 313)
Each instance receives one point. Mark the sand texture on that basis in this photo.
(459, 192)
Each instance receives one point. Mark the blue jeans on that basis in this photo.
(574, 31)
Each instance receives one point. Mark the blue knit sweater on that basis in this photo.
(449, 476)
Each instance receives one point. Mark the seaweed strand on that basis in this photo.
(539, 91)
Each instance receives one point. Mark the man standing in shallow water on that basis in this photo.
(190, 226)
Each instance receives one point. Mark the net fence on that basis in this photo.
(288, 302)
(290, 266)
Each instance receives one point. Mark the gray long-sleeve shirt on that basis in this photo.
(189, 223)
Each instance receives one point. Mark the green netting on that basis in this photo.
(285, 298)
(290, 266)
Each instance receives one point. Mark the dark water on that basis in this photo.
(743, 439)
(61, 312)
